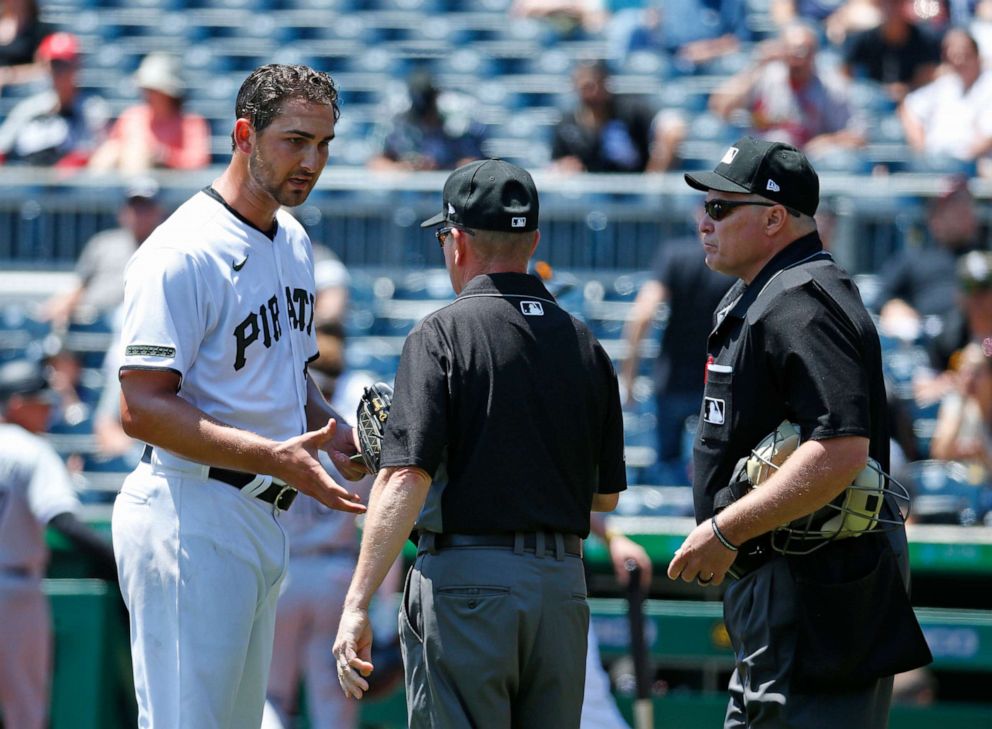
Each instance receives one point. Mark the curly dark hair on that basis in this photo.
(267, 87)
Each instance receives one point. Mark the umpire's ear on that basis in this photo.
(244, 135)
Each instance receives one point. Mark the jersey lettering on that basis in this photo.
(246, 333)
(297, 301)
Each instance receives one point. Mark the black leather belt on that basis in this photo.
(572, 542)
(278, 494)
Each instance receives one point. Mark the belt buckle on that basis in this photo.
(277, 501)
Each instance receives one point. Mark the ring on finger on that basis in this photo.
(706, 581)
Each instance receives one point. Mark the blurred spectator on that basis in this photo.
(427, 136)
(921, 283)
(35, 492)
(21, 32)
(898, 53)
(64, 371)
(157, 133)
(567, 16)
(692, 291)
(949, 120)
(691, 32)
(980, 26)
(971, 321)
(59, 126)
(332, 280)
(610, 133)
(964, 422)
(788, 100)
(838, 19)
(99, 289)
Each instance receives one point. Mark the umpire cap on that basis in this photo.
(489, 194)
(774, 170)
(21, 377)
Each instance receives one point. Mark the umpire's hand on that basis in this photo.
(701, 558)
(300, 468)
(353, 651)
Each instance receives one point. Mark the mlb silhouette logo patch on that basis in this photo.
(532, 308)
(714, 411)
(518, 222)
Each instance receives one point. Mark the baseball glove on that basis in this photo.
(373, 411)
(854, 512)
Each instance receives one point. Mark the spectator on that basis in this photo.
(609, 133)
(691, 32)
(59, 126)
(99, 287)
(949, 121)
(838, 19)
(21, 32)
(787, 98)
(35, 492)
(692, 291)
(964, 421)
(425, 136)
(157, 133)
(971, 321)
(919, 285)
(898, 53)
(567, 16)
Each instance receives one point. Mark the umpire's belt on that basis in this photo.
(279, 494)
(537, 542)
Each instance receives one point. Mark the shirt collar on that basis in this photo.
(797, 251)
(521, 284)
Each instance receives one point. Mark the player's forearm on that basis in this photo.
(170, 422)
(811, 477)
(397, 498)
(318, 410)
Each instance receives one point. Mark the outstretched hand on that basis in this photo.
(302, 469)
(701, 558)
(353, 652)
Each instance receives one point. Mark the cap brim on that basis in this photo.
(712, 181)
(436, 220)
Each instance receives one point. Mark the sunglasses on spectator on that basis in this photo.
(442, 233)
(720, 209)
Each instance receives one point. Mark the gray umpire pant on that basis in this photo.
(494, 638)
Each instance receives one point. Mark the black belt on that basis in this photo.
(572, 542)
(278, 494)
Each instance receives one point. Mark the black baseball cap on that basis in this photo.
(489, 194)
(22, 377)
(774, 170)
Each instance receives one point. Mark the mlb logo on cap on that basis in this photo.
(518, 223)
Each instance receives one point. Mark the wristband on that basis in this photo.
(719, 535)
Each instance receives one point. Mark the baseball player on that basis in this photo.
(217, 334)
(35, 491)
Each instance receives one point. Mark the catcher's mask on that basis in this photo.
(855, 511)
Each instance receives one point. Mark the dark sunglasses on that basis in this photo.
(442, 233)
(720, 209)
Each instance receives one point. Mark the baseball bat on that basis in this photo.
(643, 708)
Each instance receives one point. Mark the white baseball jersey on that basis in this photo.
(35, 487)
(214, 299)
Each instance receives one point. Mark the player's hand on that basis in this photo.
(353, 652)
(701, 558)
(621, 549)
(341, 447)
(300, 468)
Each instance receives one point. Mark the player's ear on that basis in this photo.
(244, 135)
(776, 218)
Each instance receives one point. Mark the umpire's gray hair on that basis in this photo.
(267, 87)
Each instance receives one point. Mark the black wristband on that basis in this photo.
(719, 535)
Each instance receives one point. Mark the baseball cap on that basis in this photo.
(975, 271)
(59, 46)
(141, 188)
(21, 377)
(489, 194)
(774, 170)
(160, 72)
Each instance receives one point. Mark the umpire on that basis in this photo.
(505, 431)
(817, 634)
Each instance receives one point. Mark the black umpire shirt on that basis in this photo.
(513, 406)
(796, 344)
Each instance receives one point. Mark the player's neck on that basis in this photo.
(254, 205)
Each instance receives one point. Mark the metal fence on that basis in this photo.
(588, 222)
